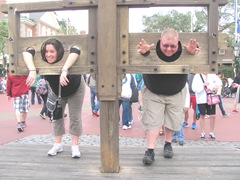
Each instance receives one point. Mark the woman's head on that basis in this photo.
(52, 51)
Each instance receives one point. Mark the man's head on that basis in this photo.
(169, 42)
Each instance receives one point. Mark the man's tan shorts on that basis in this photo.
(161, 109)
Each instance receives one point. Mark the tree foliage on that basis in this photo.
(182, 21)
(3, 33)
(174, 19)
(66, 28)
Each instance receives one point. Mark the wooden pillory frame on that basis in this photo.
(109, 51)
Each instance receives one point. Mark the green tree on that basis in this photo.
(182, 21)
(3, 35)
(174, 19)
(65, 28)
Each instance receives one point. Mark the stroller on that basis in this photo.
(226, 92)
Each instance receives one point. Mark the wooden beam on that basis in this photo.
(85, 4)
(154, 3)
(49, 6)
(85, 64)
(107, 86)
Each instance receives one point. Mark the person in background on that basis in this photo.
(178, 136)
(163, 95)
(235, 101)
(95, 103)
(72, 91)
(128, 84)
(3, 85)
(18, 90)
(139, 81)
(199, 85)
(130, 103)
(42, 91)
(219, 92)
(192, 104)
(138, 78)
(33, 91)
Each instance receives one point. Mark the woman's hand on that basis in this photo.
(31, 77)
(63, 78)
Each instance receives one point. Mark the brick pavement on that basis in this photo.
(227, 129)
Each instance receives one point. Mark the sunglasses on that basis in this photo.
(172, 46)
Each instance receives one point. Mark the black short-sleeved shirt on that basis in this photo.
(166, 84)
(71, 88)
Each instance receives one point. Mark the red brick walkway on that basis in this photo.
(227, 129)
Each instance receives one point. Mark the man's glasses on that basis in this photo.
(172, 46)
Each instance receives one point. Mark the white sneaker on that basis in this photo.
(55, 149)
(226, 115)
(131, 122)
(124, 127)
(75, 152)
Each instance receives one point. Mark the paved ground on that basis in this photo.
(39, 130)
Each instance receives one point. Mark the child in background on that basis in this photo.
(179, 134)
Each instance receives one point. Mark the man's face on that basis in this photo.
(169, 46)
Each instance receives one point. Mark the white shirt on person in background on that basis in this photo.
(126, 87)
(198, 87)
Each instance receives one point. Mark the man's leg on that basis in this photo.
(152, 136)
(168, 151)
(168, 135)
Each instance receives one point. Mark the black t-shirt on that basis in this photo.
(166, 84)
(71, 88)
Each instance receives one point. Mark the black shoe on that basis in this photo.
(148, 158)
(168, 151)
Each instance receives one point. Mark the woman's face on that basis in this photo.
(50, 54)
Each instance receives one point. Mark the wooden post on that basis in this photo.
(13, 27)
(213, 36)
(107, 86)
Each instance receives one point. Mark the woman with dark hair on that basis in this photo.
(72, 91)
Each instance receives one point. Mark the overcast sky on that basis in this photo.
(79, 19)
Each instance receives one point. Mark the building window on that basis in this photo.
(44, 32)
(49, 32)
(29, 33)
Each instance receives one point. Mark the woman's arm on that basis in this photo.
(71, 59)
(28, 59)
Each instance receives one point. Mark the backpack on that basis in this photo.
(41, 87)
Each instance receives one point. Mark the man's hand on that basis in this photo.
(192, 47)
(143, 47)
